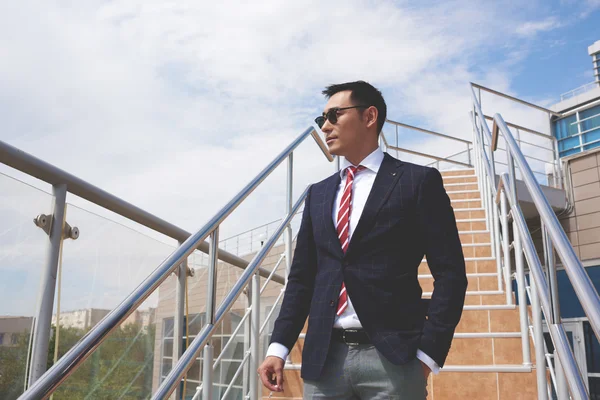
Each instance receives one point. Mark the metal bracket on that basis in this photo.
(44, 222)
(190, 272)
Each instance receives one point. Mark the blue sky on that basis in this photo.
(175, 106)
(558, 59)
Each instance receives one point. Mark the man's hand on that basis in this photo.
(271, 373)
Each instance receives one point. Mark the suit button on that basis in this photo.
(331, 303)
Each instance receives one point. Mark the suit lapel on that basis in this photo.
(388, 175)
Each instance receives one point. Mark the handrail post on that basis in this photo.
(211, 299)
(551, 271)
(561, 380)
(513, 177)
(506, 248)
(558, 178)
(495, 230)
(254, 337)
(522, 296)
(469, 153)
(486, 200)
(248, 374)
(538, 337)
(178, 331)
(558, 165)
(288, 210)
(43, 320)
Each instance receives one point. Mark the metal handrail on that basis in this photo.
(581, 89)
(48, 173)
(246, 315)
(522, 128)
(556, 330)
(189, 356)
(506, 188)
(68, 363)
(416, 128)
(581, 282)
(417, 153)
(506, 96)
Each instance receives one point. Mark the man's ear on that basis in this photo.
(372, 113)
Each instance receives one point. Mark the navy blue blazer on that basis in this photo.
(408, 215)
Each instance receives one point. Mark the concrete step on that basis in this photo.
(469, 213)
(458, 172)
(460, 179)
(471, 224)
(464, 194)
(462, 204)
(477, 237)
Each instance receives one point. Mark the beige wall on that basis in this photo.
(82, 319)
(583, 223)
(10, 326)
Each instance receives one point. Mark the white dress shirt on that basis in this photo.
(361, 187)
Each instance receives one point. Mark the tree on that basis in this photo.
(120, 368)
(13, 361)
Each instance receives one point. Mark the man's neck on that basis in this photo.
(356, 159)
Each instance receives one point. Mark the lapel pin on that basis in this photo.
(393, 174)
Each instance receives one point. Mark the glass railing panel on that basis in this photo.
(23, 251)
(98, 271)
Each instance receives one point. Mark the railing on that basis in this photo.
(249, 241)
(580, 90)
(47, 383)
(540, 149)
(268, 318)
(543, 292)
(438, 159)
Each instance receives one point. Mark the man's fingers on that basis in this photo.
(279, 377)
(265, 376)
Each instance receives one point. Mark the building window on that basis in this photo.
(1, 338)
(194, 374)
(578, 132)
(14, 338)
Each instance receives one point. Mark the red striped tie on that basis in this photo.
(343, 225)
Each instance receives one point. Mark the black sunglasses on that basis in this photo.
(332, 115)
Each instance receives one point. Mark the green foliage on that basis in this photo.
(121, 368)
(13, 361)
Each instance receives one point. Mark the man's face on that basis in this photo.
(348, 134)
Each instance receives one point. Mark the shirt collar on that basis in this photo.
(372, 161)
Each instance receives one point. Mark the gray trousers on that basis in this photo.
(361, 372)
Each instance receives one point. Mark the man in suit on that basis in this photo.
(363, 234)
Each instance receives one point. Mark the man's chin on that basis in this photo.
(335, 151)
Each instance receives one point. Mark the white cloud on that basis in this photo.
(589, 7)
(175, 106)
(532, 28)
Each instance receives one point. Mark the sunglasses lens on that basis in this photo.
(332, 116)
(320, 121)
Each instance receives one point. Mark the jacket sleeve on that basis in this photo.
(447, 264)
(300, 286)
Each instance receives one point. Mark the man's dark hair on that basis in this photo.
(363, 93)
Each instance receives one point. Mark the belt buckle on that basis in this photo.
(344, 337)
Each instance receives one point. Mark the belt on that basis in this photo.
(351, 336)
